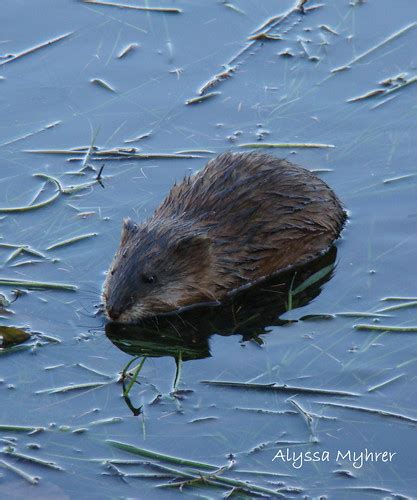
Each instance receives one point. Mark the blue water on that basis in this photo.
(270, 98)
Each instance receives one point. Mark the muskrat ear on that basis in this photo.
(200, 243)
(129, 228)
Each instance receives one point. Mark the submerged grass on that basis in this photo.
(142, 452)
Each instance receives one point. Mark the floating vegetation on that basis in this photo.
(196, 151)
(265, 145)
(201, 98)
(327, 28)
(168, 10)
(383, 413)
(286, 53)
(202, 419)
(26, 263)
(67, 189)
(60, 190)
(39, 285)
(406, 305)
(35, 48)
(219, 77)
(368, 95)
(9, 450)
(27, 477)
(399, 178)
(71, 241)
(214, 479)
(361, 314)
(20, 249)
(193, 477)
(393, 81)
(10, 335)
(262, 411)
(20, 428)
(92, 370)
(395, 85)
(375, 47)
(259, 35)
(4, 301)
(265, 36)
(308, 419)
(90, 149)
(129, 448)
(103, 84)
(127, 50)
(278, 388)
(33, 206)
(386, 328)
(398, 298)
(234, 8)
(317, 317)
(112, 154)
(70, 388)
(105, 421)
(138, 137)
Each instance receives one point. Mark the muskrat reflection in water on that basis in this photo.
(243, 217)
(248, 312)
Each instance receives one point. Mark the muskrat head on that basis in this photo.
(160, 266)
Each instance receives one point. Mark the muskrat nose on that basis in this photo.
(113, 313)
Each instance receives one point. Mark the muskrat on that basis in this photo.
(243, 217)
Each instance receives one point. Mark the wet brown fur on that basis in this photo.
(242, 217)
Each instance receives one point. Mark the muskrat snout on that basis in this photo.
(113, 314)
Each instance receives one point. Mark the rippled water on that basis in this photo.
(76, 92)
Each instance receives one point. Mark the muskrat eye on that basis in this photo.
(148, 278)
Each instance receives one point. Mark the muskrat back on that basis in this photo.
(243, 217)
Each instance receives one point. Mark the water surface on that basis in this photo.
(280, 91)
